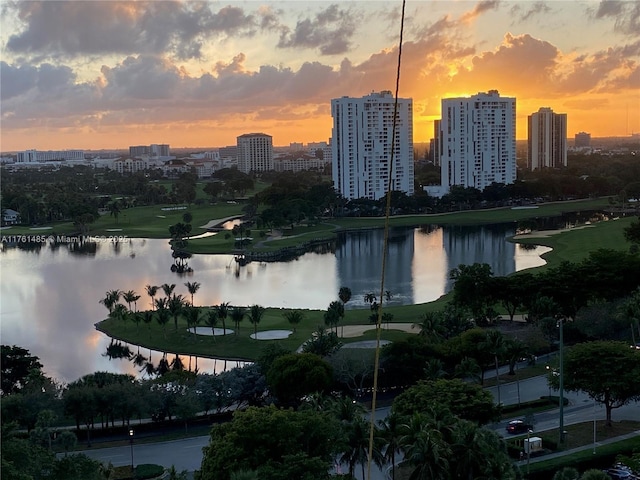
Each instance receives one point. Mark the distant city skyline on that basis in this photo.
(107, 75)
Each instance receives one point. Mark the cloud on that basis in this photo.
(625, 13)
(521, 61)
(65, 29)
(479, 9)
(330, 31)
(591, 104)
(537, 8)
(141, 78)
(16, 80)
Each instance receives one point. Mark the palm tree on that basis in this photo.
(139, 359)
(468, 368)
(192, 287)
(425, 450)
(389, 435)
(130, 297)
(168, 289)
(163, 314)
(333, 314)
(495, 344)
(192, 314)
(148, 369)
(357, 446)
(111, 299)
(387, 318)
(294, 317)
(344, 294)
(136, 317)
(114, 209)
(119, 312)
(434, 369)
(177, 364)
(370, 298)
(147, 318)
(237, 315)
(346, 410)
(163, 365)
(514, 350)
(211, 320)
(431, 327)
(175, 306)
(151, 291)
(222, 311)
(471, 449)
(256, 312)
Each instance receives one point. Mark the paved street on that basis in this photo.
(580, 409)
(187, 454)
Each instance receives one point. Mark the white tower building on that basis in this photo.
(478, 140)
(361, 145)
(255, 152)
(547, 145)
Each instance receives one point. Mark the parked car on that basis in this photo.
(518, 426)
(621, 472)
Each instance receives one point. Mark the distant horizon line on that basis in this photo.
(610, 137)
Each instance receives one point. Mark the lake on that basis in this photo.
(49, 296)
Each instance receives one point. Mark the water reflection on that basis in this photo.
(50, 292)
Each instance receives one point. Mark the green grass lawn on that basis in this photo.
(575, 245)
(241, 346)
(581, 434)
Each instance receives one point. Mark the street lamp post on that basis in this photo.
(594, 426)
(561, 426)
(131, 443)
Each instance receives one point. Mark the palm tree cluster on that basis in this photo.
(432, 444)
(173, 306)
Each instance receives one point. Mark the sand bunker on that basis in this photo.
(216, 331)
(548, 233)
(219, 221)
(350, 331)
(272, 335)
(365, 344)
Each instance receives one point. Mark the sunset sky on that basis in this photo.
(109, 74)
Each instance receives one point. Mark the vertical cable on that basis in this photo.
(385, 249)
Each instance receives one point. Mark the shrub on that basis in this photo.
(148, 470)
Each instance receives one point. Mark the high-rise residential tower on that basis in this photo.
(582, 139)
(362, 142)
(478, 140)
(547, 145)
(255, 152)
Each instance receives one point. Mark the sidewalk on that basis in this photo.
(542, 458)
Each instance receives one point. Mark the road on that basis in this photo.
(580, 409)
(187, 454)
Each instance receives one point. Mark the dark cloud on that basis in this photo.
(22, 79)
(330, 32)
(625, 13)
(16, 80)
(523, 14)
(609, 8)
(142, 78)
(479, 9)
(75, 28)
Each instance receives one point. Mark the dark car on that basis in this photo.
(518, 426)
(620, 472)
